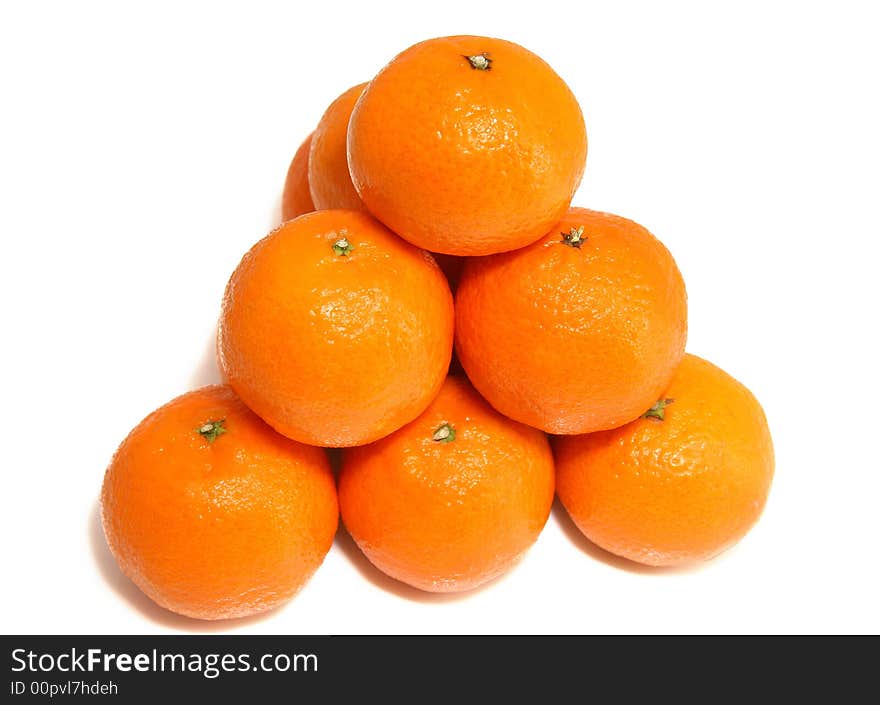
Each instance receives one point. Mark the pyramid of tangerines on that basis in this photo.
(435, 306)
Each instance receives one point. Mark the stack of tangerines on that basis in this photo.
(452, 170)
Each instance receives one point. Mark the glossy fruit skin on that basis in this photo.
(449, 516)
(296, 198)
(466, 161)
(676, 491)
(573, 339)
(329, 179)
(217, 529)
(330, 349)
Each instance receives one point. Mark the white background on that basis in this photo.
(142, 151)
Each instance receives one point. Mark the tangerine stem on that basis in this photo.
(658, 411)
(212, 429)
(574, 237)
(480, 62)
(343, 247)
(444, 433)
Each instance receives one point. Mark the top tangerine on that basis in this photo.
(467, 145)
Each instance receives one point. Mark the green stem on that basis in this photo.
(343, 247)
(658, 411)
(212, 429)
(445, 433)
